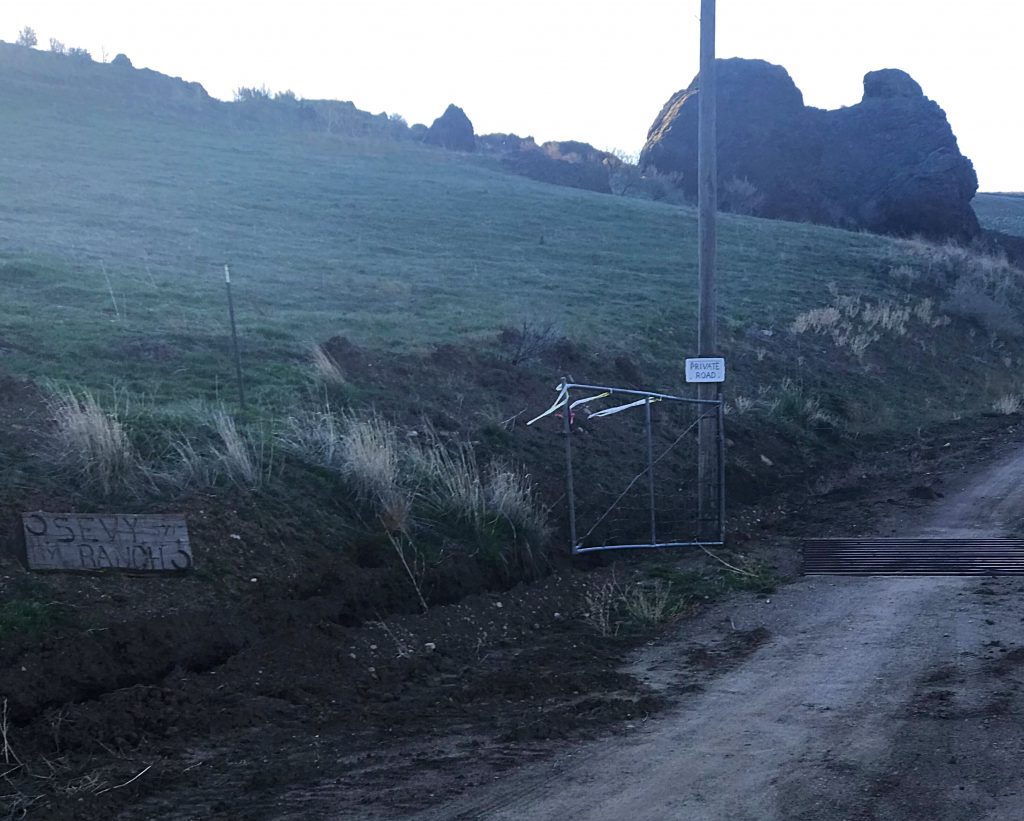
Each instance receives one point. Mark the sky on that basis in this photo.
(565, 69)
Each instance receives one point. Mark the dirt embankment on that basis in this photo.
(875, 698)
(284, 676)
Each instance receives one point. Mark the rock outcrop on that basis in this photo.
(452, 130)
(569, 163)
(889, 164)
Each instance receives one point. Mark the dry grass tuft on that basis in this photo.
(227, 454)
(326, 367)
(370, 456)
(985, 289)
(92, 442)
(452, 481)
(817, 320)
(399, 475)
(1008, 405)
(651, 603)
(855, 324)
(601, 601)
(317, 436)
(237, 454)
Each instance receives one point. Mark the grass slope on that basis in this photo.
(125, 193)
(1001, 212)
(386, 243)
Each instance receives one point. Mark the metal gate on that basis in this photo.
(631, 468)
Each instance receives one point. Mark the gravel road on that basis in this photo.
(874, 698)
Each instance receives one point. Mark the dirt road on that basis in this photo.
(875, 698)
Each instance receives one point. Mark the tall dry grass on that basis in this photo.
(91, 442)
(399, 474)
(326, 367)
(224, 454)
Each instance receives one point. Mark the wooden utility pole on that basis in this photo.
(708, 480)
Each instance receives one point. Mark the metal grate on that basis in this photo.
(904, 557)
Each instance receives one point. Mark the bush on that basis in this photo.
(740, 196)
(57, 47)
(250, 94)
(27, 37)
(980, 287)
(985, 312)
(531, 340)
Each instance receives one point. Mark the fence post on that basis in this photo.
(234, 338)
(569, 492)
(650, 468)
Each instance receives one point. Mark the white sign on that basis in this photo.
(706, 369)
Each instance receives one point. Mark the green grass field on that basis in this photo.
(1001, 212)
(119, 213)
(386, 243)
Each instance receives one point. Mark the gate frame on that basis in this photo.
(719, 410)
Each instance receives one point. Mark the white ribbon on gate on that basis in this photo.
(620, 408)
(589, 399)
(563, 397)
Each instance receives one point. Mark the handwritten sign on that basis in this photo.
(76, 541)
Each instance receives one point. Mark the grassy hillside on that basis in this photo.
(119, 220)
(401, 311)
(386, 243)
(125, 193)
(1001, 212)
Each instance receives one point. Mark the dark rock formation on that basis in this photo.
(889, 164)
(504, 143)
(452, 130)
(570, 163)
(121, 60)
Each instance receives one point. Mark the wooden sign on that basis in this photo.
(76, 541)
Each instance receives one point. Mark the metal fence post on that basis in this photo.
(234, 338)
(569, 492)
(721, 466)
(650, 468)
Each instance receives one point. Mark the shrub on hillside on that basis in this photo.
(983, 288)
(741, 196)
(57, 47)
(27, 37)
(250, 94)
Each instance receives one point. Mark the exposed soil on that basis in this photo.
(283, 680)
(873, 698)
